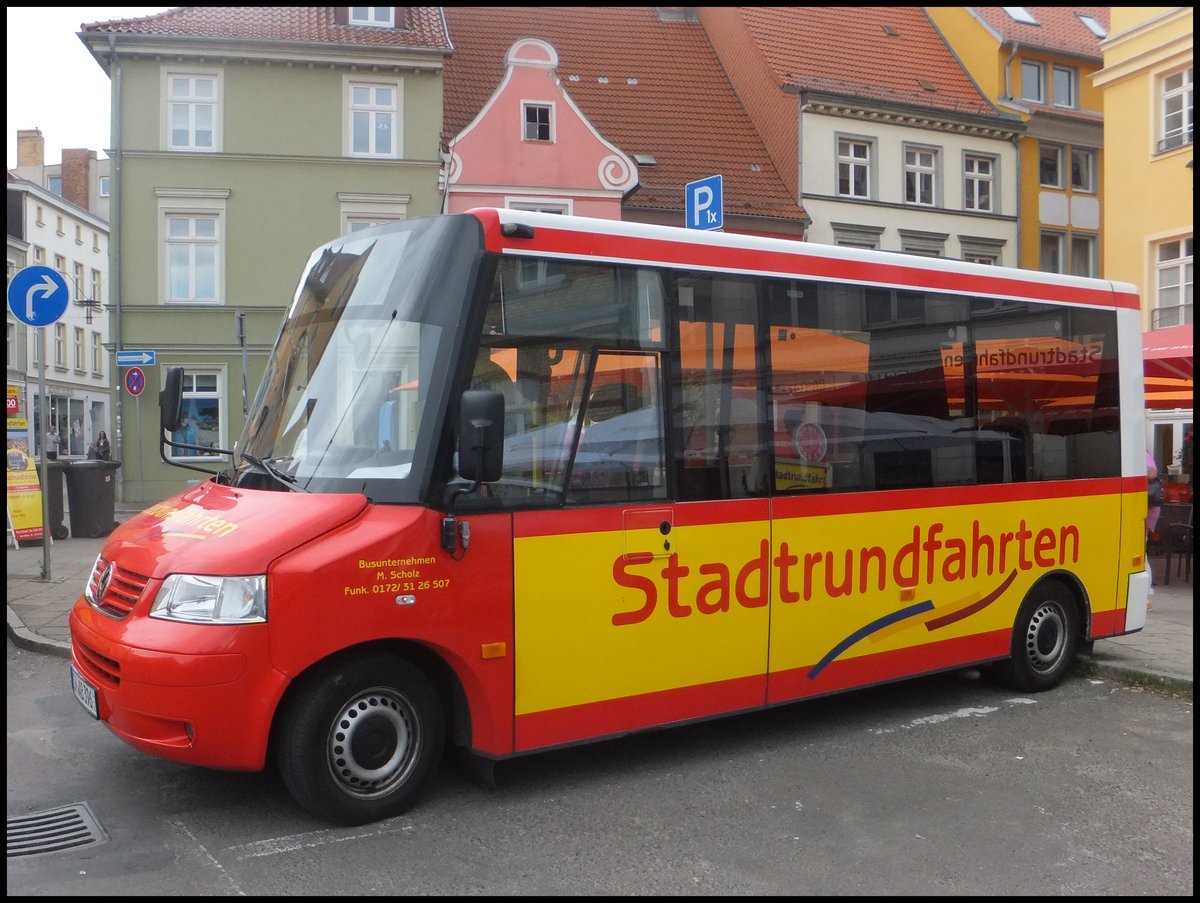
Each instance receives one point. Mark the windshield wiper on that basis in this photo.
(278, 475)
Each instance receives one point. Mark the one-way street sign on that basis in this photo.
(136, 358)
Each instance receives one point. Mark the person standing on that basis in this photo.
(103, 449)
(52, 443)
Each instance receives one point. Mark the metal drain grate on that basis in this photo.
(53, 831)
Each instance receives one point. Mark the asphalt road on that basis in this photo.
(940, 786)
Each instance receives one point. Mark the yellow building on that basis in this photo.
(1038, 62)
(1147, 86)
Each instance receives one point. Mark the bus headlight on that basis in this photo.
(200, 599)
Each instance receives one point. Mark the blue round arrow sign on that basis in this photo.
(38, 295)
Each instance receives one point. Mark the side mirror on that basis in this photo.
(481, 436)
(170, 401)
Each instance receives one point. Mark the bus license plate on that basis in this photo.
(85, 693)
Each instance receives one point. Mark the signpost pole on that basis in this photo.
(41, 441)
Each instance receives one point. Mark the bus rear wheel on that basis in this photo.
(1045, 637)
(359, 742)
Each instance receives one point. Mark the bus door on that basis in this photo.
(631, 609)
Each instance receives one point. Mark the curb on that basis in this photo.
(1151, 678)
(25, 638)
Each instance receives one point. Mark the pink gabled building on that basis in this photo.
(601, 111)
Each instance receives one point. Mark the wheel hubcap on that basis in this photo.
(372, 743)
(1046, 639)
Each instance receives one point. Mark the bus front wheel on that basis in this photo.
(1045, 637)
(358, 741)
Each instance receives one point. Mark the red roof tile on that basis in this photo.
(882, 53)
(424, 28)
(1059, 28)
(649, 87)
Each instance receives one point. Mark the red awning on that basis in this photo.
(1167, 361)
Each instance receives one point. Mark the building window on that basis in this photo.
(201, 422)
(980, 174)
(854, 168)
(192, 115)
(60, 346)
(78, 279)
(95, 240)
(78, 234)
(856, 235)
(977, 249)
(97, 354)
(60, 264)
(1083, 255)
(374, 113)
(1050, 166)
(1093, 25)
(375, 16)
(96, 286)
(1066, 87)
(192, 247)
(39, 255)
(1176, 110)
(539, 122)
(1020, 14)
(362, 211)
(924, 244)
(41, 215)
(80, 352)
(1050, 257)
(1033, 81)
(105, 186)
(54, 185)
(1083, 170)
(920, 172)
(1173, 292)
(62, 228)
(559, 207)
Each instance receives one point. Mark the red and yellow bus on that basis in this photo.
(516, 481)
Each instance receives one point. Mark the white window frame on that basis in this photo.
(373, 16)
(190, 379)
(1083, 170)
(1173, 278)
(192, 103)
(1058, 165)
(551, 124)
(60, 346)
(80, 355)
(974, 178)
(104, 186)
(1020, 14)
(921, 175)
(187, 203)
(563, 206)
(97, 354)
(372, 108)
(1034, 67)
(1084, 251)
(97, 286)
(1175, 113)
(1071, 88)
(855, 167)
(362, 211)
(1060, 249)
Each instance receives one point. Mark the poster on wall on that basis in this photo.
(24, 488)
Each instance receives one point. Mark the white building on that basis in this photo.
(58, 234)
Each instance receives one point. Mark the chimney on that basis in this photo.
(77, 168)
(31, 147)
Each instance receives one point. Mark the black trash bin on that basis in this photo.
(92, 494)
(54, 496)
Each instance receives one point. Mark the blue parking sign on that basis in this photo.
(38, 295)
(704, 204)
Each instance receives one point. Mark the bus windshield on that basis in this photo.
(359, 373)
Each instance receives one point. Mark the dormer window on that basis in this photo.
(374, 16)
(1093, 25)
(1020, 14)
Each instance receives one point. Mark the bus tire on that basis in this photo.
(359, 742)
(1045, 637)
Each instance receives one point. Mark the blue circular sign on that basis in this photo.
(135, 380)
(38, 295)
